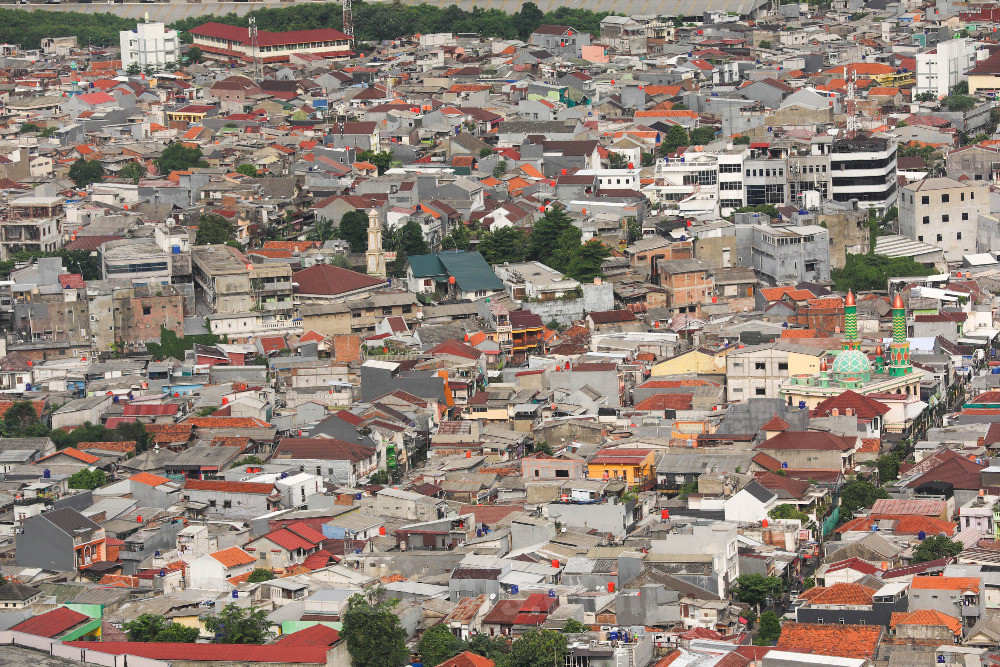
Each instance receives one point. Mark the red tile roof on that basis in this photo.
(71, 281)
(454, 348)
(834, 639)
(316, 635)
(286, 539)
(864, 407)
(226, 422)
(52, 624)
(927, 582)
(111, 446)
(168, 433)
(926, 617)
(331, 280)
(776, 423)
(38, 405)
(222, 486)
(665, 402)
(150, 409)
(839, 594)
(809, 440)
(467, 659)
(149, 479)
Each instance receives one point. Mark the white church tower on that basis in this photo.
(375, 254)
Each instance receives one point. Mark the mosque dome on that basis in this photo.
(852, 362)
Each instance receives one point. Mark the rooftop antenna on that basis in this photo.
(348, 18)
(852, 103)
(255, 50)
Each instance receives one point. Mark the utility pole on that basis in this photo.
(255, 50)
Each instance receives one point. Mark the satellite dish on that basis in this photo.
(493, 596)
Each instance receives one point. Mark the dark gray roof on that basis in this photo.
(14, 591)
(755, 489)
(69, 520)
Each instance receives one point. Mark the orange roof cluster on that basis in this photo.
(833, 639)
(926, 617)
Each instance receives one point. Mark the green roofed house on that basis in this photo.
(459, 274)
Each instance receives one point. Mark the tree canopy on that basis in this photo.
(536, 648)
(236, 625)
(84, 172)
(935, 547)
(21, 421)
(214, 229)
(864, 273)
(134, 171)
(768, 629)
(438, 644)
(260, 574)
(156, 628)
(755, 589)
(858, 495)
(381, 159)
(247, 169)
(506, 244)
(178, 157)
(373, 633)
(354, 230)
(86, 479)
(173, 346)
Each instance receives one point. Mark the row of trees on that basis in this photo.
(555, 241)
(232, 625)
(391, 20)
(23, 421)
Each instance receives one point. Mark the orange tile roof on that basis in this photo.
(883, 91)
(946, 583)
(148, 479)
(226, 422)
(232, 557)
(170, 432)
(531, 171)
(840, 594)
(666, 113)
(926, 617)
(74, 453)
(833, 639)
(38, 405)
(127, 446)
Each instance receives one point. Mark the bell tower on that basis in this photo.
(375, 255)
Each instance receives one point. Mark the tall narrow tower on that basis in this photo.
(375, 254)
(348, 18)
(851, 341)
(899, 350)
(258, 73)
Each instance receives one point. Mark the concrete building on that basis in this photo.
(705, 542)
(62, 539)
(135, 261)
(943, 212)
(790, 255)
(864, 168)
(149, 45)
(224, 41)
(939, 69)
(230, 283)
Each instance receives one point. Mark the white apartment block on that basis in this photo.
(150, 44)
(943, 212)
(939, 69)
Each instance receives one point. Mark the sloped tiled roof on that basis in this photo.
(833, 639)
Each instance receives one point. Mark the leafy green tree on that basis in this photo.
(567, 249)
(769, 210)
(178, 157)
(21, 419)
(485, 152)
(156, 628)
(786, 511)
(537, 648)
(935, 547)
(500, 169)
(194, 54)
(373, 632)
(675, 137)
(173, 346)
(354, 230)
(769, 629)
(864, 273)
(741, 139)
(28, 128)
(755, 589)
(506, 244)
(859, 495)
(438, 644)
(702, 135)
(574, 626)
(457, 239)
(87, 479)
(411, 239)
(247, 169)
(214, 229)
(322, 231)
(925, 97)
(960, 88)
(84, 172)
(134, 69)
(236, 625)
(959, 102)
(888, 467)
(545, 233)
(617, 161)
(492, 648)
(260, 574)
(765, 44)
(587, 262)
(528, 19)
(381, 159)
(379, 477)
(134, 171)
(542, 448)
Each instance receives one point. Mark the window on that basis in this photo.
(227, 504)
(759, 366)
(146, 310)
(925, 199)
(965, 216)
(562, 473)
(920, 238)
(963, 196)
(958, 236)
(945, 199)
(945, 218)
(927, 219)
(211, 503)
(782, 366)
(760, 391)
(938, 237)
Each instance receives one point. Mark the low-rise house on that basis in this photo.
(233, 500)
(62, 540)
(212, 572)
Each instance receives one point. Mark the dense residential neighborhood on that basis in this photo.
(595, 340)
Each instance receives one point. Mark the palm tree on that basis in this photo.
(323, 230)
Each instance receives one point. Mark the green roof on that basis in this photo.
(470, 270)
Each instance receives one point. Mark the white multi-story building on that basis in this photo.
(943, 212)
(939, 69)
(150, 44)
(864, 168)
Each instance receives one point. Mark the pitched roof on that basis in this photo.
(839, 594)
(332, 280)
(809, 440)
(926, 617)
(927, 582)
(833, 639)
(72, 452)
(665, 402)
(52, 623)
(148, 479)
(864, 407)
(776, 423)
(316, 635)
(222, 653)
(467, 659)
(232, 557)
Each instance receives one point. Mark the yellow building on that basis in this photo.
(636, 467)
(702, 361)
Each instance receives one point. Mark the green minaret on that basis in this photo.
(899, 351)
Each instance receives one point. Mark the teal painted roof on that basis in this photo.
(471, 272)
(851, 362)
